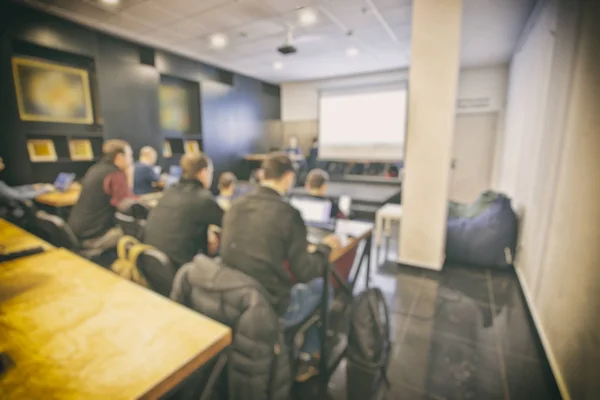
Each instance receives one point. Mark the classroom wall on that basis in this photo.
(234, 108)
(480, 90)
(551, 167)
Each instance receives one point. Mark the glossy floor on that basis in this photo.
(462, 333)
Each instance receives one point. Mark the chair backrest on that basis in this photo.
(131, 217)
(157, 269)
(55, 230)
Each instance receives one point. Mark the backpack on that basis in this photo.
(128, 251)
(369, 346)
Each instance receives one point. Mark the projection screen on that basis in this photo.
(366, 123)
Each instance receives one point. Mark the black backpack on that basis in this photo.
(369, 347)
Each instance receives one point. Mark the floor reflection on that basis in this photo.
(462, 333)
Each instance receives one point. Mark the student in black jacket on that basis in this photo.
(178, 225)
(265, 237)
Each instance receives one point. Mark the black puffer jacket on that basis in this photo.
(259, 364)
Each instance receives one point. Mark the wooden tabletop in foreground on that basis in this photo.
(77, 331)
(358, 231)
(13, 239)
(61, 199)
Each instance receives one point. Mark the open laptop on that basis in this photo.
(316, 214)
(63, 181)
(173, 177)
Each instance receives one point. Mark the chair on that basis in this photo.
(56, 231)
(131, 217)
(156, 267)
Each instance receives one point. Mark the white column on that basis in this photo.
(433, 82)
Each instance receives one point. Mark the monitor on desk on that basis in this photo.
(63, 181)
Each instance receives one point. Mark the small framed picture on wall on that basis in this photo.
(81, 150)
(191, 146)
(166, 152)
(41, 150)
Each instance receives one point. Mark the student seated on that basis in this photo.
(144, 177)
(316, 186)
(178, 225)
(21, 193)
(103, 187)
(227, 182)
(264, 237)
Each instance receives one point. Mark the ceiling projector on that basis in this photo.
(288, 47)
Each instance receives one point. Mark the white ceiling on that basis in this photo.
(380, 30)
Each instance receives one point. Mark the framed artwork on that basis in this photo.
(41, 150)
(50, 92)
(81, 150)
(191, 146)
(174, 106)
(167, 153)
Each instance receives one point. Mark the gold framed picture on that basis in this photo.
(41, 150)
(50, 92)
(167, 153)
(174, 108)
(81, 150)
(191, 146)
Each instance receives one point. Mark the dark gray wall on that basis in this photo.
(233, 107)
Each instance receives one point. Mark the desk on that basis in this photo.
(13, 239)
(77, 331)
(358, 230)
(61, 200)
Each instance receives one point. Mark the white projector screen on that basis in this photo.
(367, 123)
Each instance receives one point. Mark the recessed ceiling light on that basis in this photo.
(351, 51)
(307, 16)
(277, 65)
(218, 41)
(111, 2)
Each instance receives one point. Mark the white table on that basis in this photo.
(384, 217)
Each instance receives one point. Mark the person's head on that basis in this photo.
(316, 182)
(1, 164)
(117, 152)
(278, 172)
(293, 142)
(148, 155)
(197, 166)
(227, 182)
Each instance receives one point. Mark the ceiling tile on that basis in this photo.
(188, 8)
(189, 27)
(129, 23)
(82, 8)
(151, 14)
(234, 15)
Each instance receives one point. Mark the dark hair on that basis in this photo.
(113, 147)
(192, 163)
(275, 165)
(317, 178)
(226, 180)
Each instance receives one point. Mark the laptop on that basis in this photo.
(316, 214)
(63, 181)
(173, 177)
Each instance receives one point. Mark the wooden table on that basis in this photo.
(61, 199)
(77, 331)
(13, 239)
(357, 230)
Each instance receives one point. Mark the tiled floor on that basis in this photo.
(462, 333)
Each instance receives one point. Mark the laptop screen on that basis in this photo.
(175, 171)
(313, 210)
(63, 181)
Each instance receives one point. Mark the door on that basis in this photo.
(472, 155)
